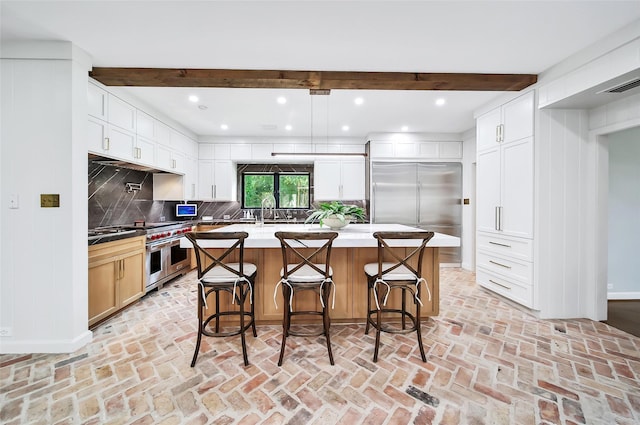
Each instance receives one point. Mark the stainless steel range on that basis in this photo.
(165, 259)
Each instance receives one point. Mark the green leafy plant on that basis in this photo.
(337, 210)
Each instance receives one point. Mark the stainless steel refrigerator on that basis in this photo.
(425, 195)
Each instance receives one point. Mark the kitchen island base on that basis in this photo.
(350, 286)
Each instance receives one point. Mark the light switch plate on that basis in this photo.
(13, 201)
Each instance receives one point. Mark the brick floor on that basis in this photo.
(488, 363)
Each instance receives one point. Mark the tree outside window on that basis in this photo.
(291, 190)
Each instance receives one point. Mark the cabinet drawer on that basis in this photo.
(518, 248)
(516, 291)
(510, 268)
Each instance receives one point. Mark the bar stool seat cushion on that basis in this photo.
(222, 275)
(399, 273)
(305, 274)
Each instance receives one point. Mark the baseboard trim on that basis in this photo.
(623, 296)
(46, 346)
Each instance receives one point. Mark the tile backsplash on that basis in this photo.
(112, 201)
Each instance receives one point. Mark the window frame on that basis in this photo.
(276, 187)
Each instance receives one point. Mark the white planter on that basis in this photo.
(335, 223)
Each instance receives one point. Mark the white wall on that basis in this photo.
(624, 214)
(43, 287)
(468, 240)
(560, 200)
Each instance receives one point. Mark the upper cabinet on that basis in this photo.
(508, 123)
(216, 180)
(505, 168)
(121, 114)
(415, 150)
(98, 100)
(339, 179)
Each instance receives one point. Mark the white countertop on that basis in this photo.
(351, 236)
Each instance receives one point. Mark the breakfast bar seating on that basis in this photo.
(215, 275)
(306, 258)
(394, 271)
(354, 247)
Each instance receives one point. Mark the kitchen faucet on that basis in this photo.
(268, 202)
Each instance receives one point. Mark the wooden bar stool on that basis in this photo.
(384, 276)
(309, 269)
(216, 276)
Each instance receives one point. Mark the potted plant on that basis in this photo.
(335, 214)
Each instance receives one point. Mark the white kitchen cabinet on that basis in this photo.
(504, 169)
(261, 152)
(121, 114)
(170, 160)
(216, 180)
(339, 179)
(145, 125)
(507, 123)
(162, 133)
(97, 102)
(191, 179)
(416, 150)
(504, 204)
(144, 151)
(106, 139)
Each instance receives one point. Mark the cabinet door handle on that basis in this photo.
(122, 261)
(173, 163)
(212, 192)
(497, 218)
(215, 190)
(500, 284)
(139, 153)
(498, 133)
(500, 244)
(106, 143)
(499, 264)
(500, 219)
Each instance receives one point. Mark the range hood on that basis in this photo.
(103, 160)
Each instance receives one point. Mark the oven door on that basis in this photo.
(177, 258)
(156, 264)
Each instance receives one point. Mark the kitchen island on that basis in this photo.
(354, 247)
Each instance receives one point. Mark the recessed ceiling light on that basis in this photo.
(404, 128)
(358, 101)
(193, 98)
(282, 100)
(288, 127)
(440, 101)
(224, 127)
(345, 128)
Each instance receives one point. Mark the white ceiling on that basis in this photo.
(412, 36)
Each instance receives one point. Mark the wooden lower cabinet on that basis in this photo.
(350, 285)
(116, 276)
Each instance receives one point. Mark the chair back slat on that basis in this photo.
(401, 260)
(235, 241)
(287, 239)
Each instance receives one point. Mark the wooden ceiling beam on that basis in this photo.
(232, 78)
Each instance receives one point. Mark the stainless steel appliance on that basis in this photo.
(165, 259)
(425, 195)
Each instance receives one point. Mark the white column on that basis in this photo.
(43, 251)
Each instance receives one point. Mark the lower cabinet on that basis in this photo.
(505, 266)
(116, 276)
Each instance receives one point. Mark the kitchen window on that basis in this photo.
(290, 189)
